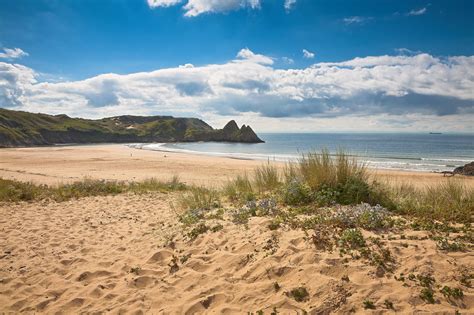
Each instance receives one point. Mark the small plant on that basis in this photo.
(444, 244)
(266, 206)
(368, 305)
(454, 293)
(300, 294)
(217, 228)
(427, 295)
(401, 277)
(352, 239)
(388, 304)
(183, 259)
(322, 237)
(199, 229)
(296, 192)
(465, 276)
(174, 267)
(272, 244)
(274, 224)
(191, 217)
(135, 270)
(276, 286)
(242, 215)
(426, 280)
(326, 196)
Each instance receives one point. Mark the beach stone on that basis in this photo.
(467, 170)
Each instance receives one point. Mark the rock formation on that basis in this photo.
(27, 129)
(467, 170)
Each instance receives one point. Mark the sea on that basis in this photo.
(398, 151)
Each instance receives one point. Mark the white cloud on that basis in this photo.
(194, 8)
(385, 90)
(197, 7)
(307, 54)
(247, 54)
(187, 65)
(288, 60)
(417, 12)
(9, 53)
(406, 51)
(162, 3)
(356, 20)
(289, 4)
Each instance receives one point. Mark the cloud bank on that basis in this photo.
(401, 86)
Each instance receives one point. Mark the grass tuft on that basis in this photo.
(266, 178)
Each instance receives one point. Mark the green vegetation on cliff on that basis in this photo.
(27, 129)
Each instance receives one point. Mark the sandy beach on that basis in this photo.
(62, 164)
(127, 254)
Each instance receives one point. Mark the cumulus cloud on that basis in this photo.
(15, 81)
(248, 55)
(420, 11)
(12, 53)
(307, 54)
(197, 7)
(289, 4)
(377, 86)
(194, 8)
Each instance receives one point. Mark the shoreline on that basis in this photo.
(273, 159)
(63, 164)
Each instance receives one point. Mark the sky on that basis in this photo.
(278, 65)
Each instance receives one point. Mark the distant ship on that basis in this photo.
(436, 133)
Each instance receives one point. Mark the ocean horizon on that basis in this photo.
(398, 151)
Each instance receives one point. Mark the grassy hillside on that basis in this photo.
(26, 129)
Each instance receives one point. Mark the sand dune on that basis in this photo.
(128, 254)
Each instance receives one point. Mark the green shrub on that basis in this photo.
(300, 294)
(326, 196)
(296, 192)
(197, 230)
(427, 295)
(450, 293)
(352, 239)
(354, 191)
(368, 305)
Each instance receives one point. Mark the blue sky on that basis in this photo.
(72, 43)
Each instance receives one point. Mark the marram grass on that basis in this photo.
(316, 180)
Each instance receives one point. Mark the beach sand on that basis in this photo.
(60, 164)
(115, 254)
(127, 254)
